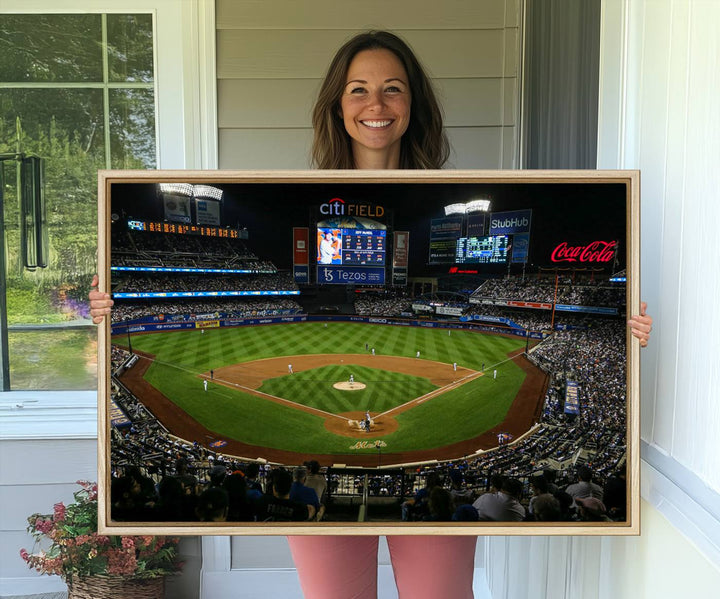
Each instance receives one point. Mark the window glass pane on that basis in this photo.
(132, 128)
(37, 48)
(130, 47)
(65, 128)
(54, 359)
(52, 344)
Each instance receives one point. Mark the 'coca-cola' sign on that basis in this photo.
(597, 251)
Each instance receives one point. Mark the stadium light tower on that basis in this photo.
(479, 205)
(208, 192)
(177, 189)
(454, 209)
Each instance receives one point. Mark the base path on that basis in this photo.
(523, 413)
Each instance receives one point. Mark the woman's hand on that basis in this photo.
(100, 303)
(641, 325)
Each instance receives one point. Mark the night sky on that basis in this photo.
(576, 213)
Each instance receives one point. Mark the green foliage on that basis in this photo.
(77, 551)
(54, 359)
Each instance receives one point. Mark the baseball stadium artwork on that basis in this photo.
(435, 351)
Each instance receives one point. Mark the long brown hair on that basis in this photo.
(424, 144)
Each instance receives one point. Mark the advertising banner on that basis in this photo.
(572, 398)
(476, 225)
(251, 293)
(585, 309)
(449, 311)
(422, 308)
(511, 222)
(520, 248)
(301, 242)
(489, 318)
(442, 251)
(344, 275)
(176, 208)
(399, 277)
(117, 416)
(449, 227)
(401, 248)
(301, 273)
(536, 305)
(207, 212)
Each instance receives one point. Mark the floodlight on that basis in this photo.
(478, 206)
(454, 209)
(208, 192)
(177, 189)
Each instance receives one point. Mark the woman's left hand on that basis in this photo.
(641, 325)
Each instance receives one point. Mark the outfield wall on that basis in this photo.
(149, 327)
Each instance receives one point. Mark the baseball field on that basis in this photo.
(293, 390)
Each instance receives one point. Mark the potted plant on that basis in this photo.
(67, 544)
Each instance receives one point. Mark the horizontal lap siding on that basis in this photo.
(271, 58)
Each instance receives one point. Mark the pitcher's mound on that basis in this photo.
(348, 386)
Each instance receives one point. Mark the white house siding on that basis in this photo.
(271, 57)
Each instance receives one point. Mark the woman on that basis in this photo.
(377, 110)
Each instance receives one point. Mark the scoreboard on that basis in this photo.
(492, 249)
(351, 256)
(351, 247)
(361, 247)
(183, 229)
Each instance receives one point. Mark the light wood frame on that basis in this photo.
(631, 181)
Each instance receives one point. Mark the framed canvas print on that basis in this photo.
(369, 352)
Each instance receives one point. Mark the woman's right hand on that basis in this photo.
(100, 303)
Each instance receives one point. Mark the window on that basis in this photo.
(77, 90)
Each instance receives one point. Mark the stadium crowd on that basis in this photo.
(383, 307)
(542, 290)
(230, 307)
(132, 283)
(136, 248)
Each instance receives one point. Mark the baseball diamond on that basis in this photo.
(421, 408)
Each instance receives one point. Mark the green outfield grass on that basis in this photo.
(452, 416)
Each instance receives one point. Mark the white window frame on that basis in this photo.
(186, 132)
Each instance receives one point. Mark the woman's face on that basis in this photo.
(375, 105)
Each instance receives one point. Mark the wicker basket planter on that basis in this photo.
(116, 587)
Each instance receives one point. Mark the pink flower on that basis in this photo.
(121, 562)
(128, 543)
(24, 555)
(43, 526)
(59, 512)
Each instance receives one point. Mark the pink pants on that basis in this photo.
(425, 567)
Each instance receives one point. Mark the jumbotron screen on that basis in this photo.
(491, 249)
(351, 247)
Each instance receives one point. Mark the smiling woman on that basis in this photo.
(375, 108)
(363, 109)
